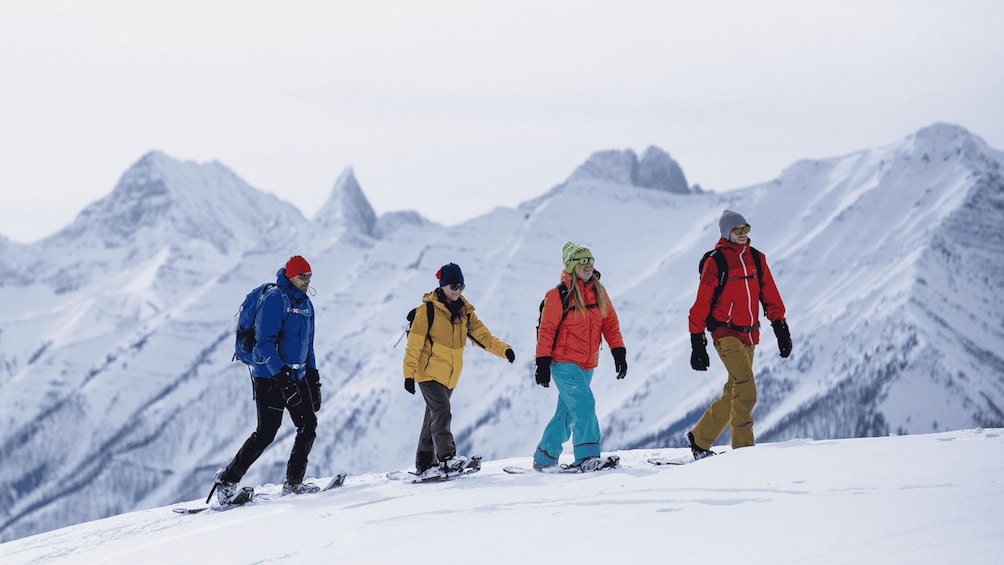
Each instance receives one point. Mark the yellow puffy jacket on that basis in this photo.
(441, 358)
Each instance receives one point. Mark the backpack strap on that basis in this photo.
(758, 261)
(723, 272)
(471, 336)
(563, 295)
(429, 310)
(565, 308)
(723, 277)
(286, 302)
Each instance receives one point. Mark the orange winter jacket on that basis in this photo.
(579, 334)
(739, 301)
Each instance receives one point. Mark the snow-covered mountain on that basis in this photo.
(117, 389)
(185, 217)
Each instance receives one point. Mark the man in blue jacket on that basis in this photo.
(284, 377)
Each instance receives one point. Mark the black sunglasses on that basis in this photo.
(457, 286)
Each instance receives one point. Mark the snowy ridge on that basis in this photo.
(925, 499)
(116, 373)
(203, 214)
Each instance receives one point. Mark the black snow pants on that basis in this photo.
(270, 406)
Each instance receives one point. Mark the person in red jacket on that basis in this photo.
(568, 344)
(733, 321)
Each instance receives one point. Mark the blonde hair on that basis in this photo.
(575, 297)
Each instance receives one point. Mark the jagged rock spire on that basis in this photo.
(656, 170)
(347, 207)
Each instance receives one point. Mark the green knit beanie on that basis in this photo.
(572, 254)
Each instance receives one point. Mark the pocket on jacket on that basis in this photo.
(440, 365)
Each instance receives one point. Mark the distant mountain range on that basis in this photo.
(117, 389)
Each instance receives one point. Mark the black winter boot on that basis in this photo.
(225, 490)
(698, 451)
(453, 464)
(424, 460)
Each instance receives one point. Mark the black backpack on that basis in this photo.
(429, 311)
(428, 314)
(563, 294)
(723, 278)
(565, 309)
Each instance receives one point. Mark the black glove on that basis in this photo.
(409, 385)
(314, 382)
(543, 372)
(620, 363)
(699, 359)
(783, 337)
(288, 387)
(510, 355)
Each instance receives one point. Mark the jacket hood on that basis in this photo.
(284, 283)
(724, 243)
(431, 296)
(566, 279)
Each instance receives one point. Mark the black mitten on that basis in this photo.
(409, 385)
(543, 372)
(620, 363)
(510, 355)
(288, 387)
(699, 359)
(314, 382)
(783, 337)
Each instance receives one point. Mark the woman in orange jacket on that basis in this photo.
(568, 342)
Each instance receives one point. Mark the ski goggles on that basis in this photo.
(583, 261)
(741, 230)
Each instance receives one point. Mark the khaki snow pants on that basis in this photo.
(735, 406)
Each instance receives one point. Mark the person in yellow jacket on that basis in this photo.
(434, 358)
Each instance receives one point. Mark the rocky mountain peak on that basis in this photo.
(659, 171)
(656, 170)
(347, 207)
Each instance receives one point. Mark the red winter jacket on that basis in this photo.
(738, 303)
(579, 334)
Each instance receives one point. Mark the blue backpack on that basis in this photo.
(244, 343)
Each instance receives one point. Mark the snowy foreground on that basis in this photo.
(935, 498)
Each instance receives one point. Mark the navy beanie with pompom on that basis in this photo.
(450, 273)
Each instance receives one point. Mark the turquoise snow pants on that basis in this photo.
(574, 417)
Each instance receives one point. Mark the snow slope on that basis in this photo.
(923, 499)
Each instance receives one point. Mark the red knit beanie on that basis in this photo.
(296, 266)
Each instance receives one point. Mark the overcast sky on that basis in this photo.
(452, 108)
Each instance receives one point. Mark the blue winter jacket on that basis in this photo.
(284, 331)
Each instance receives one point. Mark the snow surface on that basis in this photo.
(920, 499)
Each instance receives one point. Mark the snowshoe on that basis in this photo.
(299, 488)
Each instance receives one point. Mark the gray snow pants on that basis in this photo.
(436, 435)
